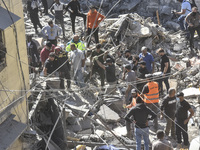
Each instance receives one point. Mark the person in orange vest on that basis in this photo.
(151, 97)
(130, 125)
(93, 20)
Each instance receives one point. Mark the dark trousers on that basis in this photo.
(44, 3)
(73, 17)
(62, 76)
(192, 31)
(182, 22)
(54, 42)
(180, 131)
(35, 20)
(95, 34)
(100, 71)
(166, 81)
(61, 22)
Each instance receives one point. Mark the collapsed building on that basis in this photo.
(87, 118)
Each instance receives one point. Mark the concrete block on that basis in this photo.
(166, 10)
(173, 25)
(108, 115)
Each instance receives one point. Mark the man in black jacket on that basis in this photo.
(75, 10)
(140, 118)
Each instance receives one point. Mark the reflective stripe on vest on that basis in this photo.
(79, 45)
(153, 95)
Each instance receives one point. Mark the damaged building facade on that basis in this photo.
(13, 112)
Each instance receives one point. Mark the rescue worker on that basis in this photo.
(64, 71)
(151, 97)
(78, 43)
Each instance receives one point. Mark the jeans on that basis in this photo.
(192, 30)
(73, 17)
(35, 19)
(44, 3)
(155, 108)
(170, 126)
(95, 34)
(181, 21)
(180, 131)
(139, 133)
(78, 77)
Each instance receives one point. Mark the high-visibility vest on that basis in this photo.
(80, 45)
(153, 95)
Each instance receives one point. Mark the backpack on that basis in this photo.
(192, 3)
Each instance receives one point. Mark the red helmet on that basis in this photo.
(58, 49)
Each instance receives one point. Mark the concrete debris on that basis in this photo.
(108, 115)
(191, 92)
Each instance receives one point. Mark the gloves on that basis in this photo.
(95, 57)
(82, 69)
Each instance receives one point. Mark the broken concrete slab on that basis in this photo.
(173, 25)
(133, 4)
(107, 114)
(120, 131)
(191, 92)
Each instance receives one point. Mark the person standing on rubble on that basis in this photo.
(110, 74)
(32, 7)
(62, 62)
(165, 68)
(132, 104)
(130, 77)
(185, 10)
(161, 143)
(95, 67)
(192, 20)
(182, 119)
(78, 43)
(52, 32)
(148, 58)
(75, 10)
(135, 62)
(139, 115)
(93, 20)
(45, 5)
(77, 59)
(58, 10)
(169, 107)
(32, 52)
(49, 65)
(44, 54)
(151, 97)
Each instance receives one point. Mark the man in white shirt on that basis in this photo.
(52, 32)
(185, 10)
(77, 61)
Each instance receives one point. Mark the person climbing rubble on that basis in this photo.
(192, 20)
(75, 10)
(58, 10)
(94, 65)
(93, 20)
(49, 65)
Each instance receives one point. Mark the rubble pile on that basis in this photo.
(88, 117)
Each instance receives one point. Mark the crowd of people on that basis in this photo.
(144, 92)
